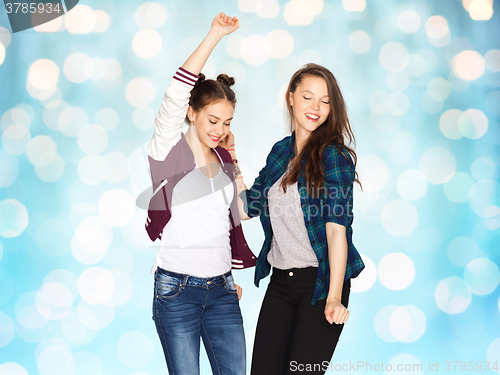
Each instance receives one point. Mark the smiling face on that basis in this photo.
(212, 122)
(310, 104)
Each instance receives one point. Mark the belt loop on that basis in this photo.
(225, 280)
(184, 282)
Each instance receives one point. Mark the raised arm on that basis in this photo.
(221, 25)
(170, 117)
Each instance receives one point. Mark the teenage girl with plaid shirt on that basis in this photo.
(304, 197)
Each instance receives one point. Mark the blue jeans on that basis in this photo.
(186, 308)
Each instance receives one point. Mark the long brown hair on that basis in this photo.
(333, 131)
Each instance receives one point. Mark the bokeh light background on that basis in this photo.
(78, 95)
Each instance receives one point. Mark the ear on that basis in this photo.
(290, 98)
(191, 114)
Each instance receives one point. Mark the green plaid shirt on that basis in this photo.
(334, 204)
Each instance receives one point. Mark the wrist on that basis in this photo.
(333, 298)
(215, 33)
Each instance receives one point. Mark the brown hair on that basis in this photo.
(209, 91)
(331, 132)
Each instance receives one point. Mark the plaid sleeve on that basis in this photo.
(339, 184)
(254, 198)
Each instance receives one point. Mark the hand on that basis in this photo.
(335, 312)
(225, 25)
(227, 141)
(239, 291)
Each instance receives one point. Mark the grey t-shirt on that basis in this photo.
(290, 247)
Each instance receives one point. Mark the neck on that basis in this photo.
(200, 151)
(301, 137)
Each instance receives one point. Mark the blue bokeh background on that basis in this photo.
(421, 80)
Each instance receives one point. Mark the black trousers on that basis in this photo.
(292, 335)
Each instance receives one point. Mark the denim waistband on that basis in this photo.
(193, 280)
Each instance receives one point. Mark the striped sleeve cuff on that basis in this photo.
(186, 77)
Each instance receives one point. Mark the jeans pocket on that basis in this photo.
(230, 287)
(167, 287)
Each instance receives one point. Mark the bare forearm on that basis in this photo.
(337, 255)
(240, 185)
(199, 57)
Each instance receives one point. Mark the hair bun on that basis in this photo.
(201, 78)
(225, 80)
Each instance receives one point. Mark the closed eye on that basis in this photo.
(307, 98)
(227, 123)
(212, 122)
(326, 102)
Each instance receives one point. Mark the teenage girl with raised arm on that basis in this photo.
(194, 211)
(304, 197)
